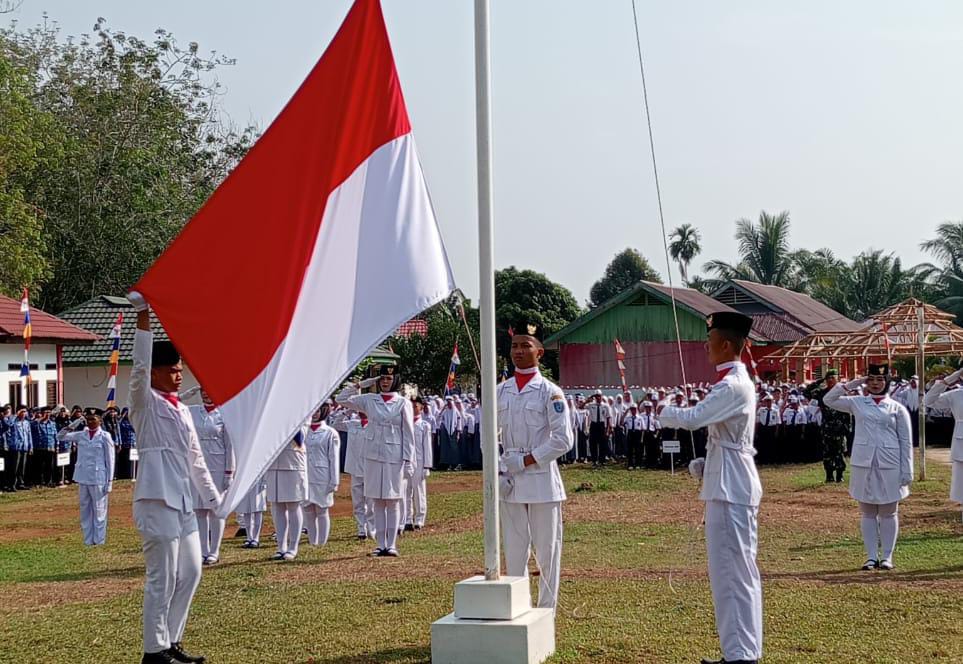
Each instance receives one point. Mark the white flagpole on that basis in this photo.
(486, 267)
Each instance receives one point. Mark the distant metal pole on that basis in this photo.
(921, 370)
(486, 268)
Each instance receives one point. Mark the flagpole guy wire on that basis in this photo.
(658, 190)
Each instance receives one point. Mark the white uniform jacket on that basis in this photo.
(729, 411)
(354, 454)
(535, 421)
(389, 436)
(423, 454)
(882, 430)
(170, 453)
(215, 444)
(323, 446)
(95, 456)
(938, 397)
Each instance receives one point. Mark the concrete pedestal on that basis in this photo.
(505, 599)
(527, 639)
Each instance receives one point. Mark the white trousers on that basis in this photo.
(387, 518)
(288, 521)
(405, 502)
(534, 525)
(172, 557)
(879, 525)
(417, 501)
(93, 513)
(363, 507)
(211, 532)
(732, 543)
(318, 522)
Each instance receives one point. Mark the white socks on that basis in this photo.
(253, 524)
(880, 527)
(387, 514)
(288, 521)
(318, 522)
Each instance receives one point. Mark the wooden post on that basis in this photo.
(921, 372)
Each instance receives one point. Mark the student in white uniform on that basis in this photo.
(323, 446)
(730, 488)
(287, 480)
(250, 513)
(418, 485)
(534, 422)
(362, 508)
(938, 397)
(881, 464)
(94, 472)
(389, 453)
(219, 457)
(171, 461)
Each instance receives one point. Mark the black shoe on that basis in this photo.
(870, 565)
(829, 479)
(727, 661)
(409, 528)
(362, 538)
(176, 651)
(162, 657)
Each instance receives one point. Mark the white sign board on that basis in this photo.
(133, 454)
(1, 464)
(63, 459)
(671, 447)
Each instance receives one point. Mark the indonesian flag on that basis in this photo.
(115, 334)
(319, 244)
(452, 369)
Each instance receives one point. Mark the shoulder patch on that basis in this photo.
(559, 406)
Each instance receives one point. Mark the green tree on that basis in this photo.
(685, 243)
(626, 269)
(874, 281)
(820, 274)
(525, 295)
(143, 144)
(764, 253)
(947, 248)
(22, 154)
(425, 359)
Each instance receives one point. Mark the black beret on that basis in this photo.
(388, 370)
(731, 321)
(878, 370)
(527, 328)
(94, 411)
(164, 354)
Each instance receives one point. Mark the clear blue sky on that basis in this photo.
(847, 114)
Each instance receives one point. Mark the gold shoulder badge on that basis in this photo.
(558, 397)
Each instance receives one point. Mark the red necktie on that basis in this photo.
(209, 409)
(878, 399)
(522, 380)
(171, 397)
(722, 374)
(387, 397)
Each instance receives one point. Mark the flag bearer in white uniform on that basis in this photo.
(418, 485)
(287, 480)
(881, 465)
(730, 488)
(362, 508)
(171, 461)
(219, 457)
(323, 445)
(938, 397)
(534, 422)
(94, 472)
(389, 453)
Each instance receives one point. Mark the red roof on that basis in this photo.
(415, 326)
(45, 327)
(813, 314)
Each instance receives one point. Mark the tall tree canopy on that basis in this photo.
(533, 297)
(628, 268)
(685, 243)
(141, 144)
(764, 252)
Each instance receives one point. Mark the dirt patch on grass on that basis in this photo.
(20, 597)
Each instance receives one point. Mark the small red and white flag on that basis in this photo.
(319, 244)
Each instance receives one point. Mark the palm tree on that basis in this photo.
(684, 246)
(876, 280)
(947, 248)
(764, 254)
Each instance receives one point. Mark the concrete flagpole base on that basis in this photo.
(493, 623)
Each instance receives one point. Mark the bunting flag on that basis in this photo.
(751, 364)
(27, 334)
(114, 361)
(455, 361)
(620, 358)
(332, 194)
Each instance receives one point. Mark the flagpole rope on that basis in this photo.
(658, 191)
(665, 244)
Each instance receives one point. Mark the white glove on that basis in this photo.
(855, 384)
(108, 487)
(954, 377)
(137, 300)
(905, 479)
(697, 467)
(78, 424)
(505, 486)
(514, 463)
(367, 382)
(427, 473)
(409, 470)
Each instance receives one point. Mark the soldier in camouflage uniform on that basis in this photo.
(836, 425)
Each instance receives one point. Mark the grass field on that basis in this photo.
(634, 587)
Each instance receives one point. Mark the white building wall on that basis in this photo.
(87, 386)
(41, 355)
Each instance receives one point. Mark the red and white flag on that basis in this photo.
(319, 244)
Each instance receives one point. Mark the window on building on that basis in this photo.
(51, 392)
(14, 394)
(33, 394)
